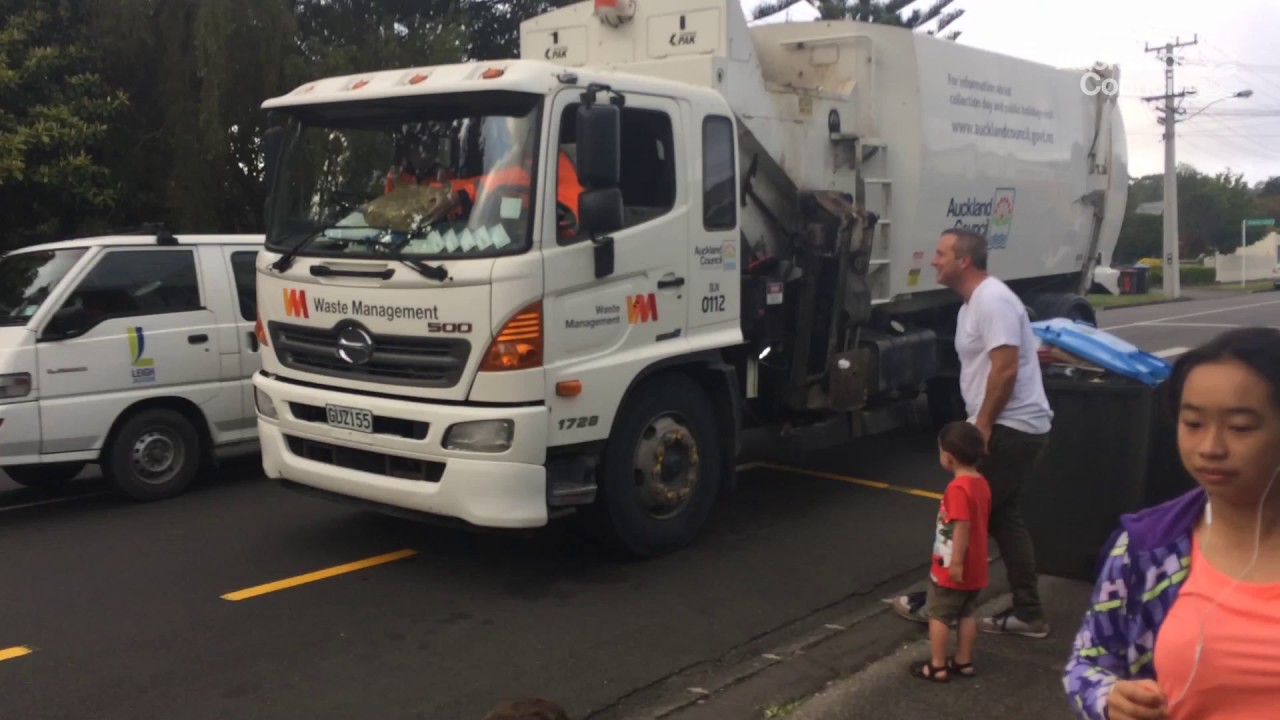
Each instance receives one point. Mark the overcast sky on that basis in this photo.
(1237, 50)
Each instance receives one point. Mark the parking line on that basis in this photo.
(14, 652)
(1171, 352)
(843, 478)
(317, 575)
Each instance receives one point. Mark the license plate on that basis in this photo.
(349, 418)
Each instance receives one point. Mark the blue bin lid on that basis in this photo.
(1103, 349)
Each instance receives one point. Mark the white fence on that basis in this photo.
(1256, 262)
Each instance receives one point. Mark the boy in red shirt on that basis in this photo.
(959, 568)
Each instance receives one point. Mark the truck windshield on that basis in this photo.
(28, 278)
(429, 176)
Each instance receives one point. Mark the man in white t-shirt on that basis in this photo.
(1004, 397)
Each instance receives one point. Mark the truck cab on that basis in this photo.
(471, 361)
(134, 352)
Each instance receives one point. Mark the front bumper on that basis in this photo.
(503, 490)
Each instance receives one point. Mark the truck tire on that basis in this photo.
(1063, 305)
(54, 476)
(661, 470)
(153, 455)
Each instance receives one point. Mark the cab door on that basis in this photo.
(640, 311)
(135, 326)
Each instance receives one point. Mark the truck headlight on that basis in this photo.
(15, 385)
(486, 436)
(266, 406)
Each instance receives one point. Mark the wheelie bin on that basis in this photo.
(1112, 449)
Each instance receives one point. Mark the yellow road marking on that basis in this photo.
(842, 478)
(317, 575)
(14, 652)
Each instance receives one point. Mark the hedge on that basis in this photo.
(1190, 275)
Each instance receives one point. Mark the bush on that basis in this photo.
(1198, 275)
(1190, 275)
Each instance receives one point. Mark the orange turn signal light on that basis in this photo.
(261, 332)
(569, 388)
(518, 345)
(492, 73)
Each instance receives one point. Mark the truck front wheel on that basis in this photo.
(661, 473)
(155, 454)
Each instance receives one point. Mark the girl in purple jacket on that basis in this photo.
(1184, 620)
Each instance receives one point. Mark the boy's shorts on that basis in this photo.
(948, 606)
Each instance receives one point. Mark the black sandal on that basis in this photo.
(954, 668)
(925, 670)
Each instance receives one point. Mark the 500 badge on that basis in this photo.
(445, 328)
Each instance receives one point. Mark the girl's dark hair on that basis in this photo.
(1256, 347)
(963, 441)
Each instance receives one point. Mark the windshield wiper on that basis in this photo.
(431, 272)
(286, 260)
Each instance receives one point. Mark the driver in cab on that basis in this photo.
(454, 198)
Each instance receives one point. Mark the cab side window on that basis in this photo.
(128, 283)
(648, 171)
(246, 275)
(719, 189)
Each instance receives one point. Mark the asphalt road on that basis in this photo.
(115, 610)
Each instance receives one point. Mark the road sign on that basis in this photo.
(1259, 222)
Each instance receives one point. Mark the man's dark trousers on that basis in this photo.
(1012, 459)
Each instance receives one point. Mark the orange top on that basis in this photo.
(1240, 659)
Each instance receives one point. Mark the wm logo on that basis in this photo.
(642, 308)
(295, 303)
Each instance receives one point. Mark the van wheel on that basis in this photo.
(661, 468)
(155, 454)
(54, 476)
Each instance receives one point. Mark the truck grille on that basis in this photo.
(397, 359)
(375, 463)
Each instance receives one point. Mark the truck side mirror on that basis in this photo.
(599, 170)
(600, 213)
(599, 146)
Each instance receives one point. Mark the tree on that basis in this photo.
(884, 12)
(495, 26)
(55, 111)
(1141, 234)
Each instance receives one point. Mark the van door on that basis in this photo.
(135, 326)
(242, 357)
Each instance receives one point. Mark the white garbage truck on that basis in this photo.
(501, 292)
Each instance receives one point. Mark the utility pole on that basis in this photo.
(1172, 255)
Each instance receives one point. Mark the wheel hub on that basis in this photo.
(666, 466)
(154, 454)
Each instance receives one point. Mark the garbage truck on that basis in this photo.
(582, 281)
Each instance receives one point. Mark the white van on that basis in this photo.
(134, 352)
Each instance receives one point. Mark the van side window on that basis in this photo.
(719, 190)
(245, 272)
(648, 171)
(128, 283)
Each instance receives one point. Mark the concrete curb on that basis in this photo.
(695, 692)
